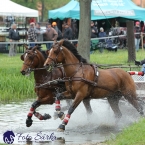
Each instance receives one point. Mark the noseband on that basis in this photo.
(33, 55)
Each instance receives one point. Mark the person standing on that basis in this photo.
(32, 37)
(67, 34)
(137, 36)
(54, 25)
(50, 35)
(14, 37)
(39, 33)
(94, 30)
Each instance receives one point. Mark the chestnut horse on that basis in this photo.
(33, 61)
(83, 80)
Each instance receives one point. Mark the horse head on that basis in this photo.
(55, 54)
(32, 59)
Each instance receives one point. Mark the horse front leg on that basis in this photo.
(32, 111)
(76, 102)
(59, 111)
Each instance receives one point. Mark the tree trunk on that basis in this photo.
(131, 41)
(84, 29)
(42, 11)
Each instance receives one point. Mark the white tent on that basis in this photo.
(9, 8)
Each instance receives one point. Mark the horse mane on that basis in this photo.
(41, 51)
(72, 48)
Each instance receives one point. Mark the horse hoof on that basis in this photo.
(61, 128)
(46, 116)
(29, 122)
(61, 115)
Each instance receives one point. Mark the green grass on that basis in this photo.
(132, 135)
(119, 57)
(14, 86)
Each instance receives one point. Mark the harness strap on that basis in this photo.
(67, 79)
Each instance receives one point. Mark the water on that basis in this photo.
(81, 129)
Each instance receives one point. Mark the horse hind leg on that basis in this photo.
(88, 108)
(114, 101)
(132, 99)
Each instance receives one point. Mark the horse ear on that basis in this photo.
(22, 57)
(61, 42)
(25, 46)
(34, 48)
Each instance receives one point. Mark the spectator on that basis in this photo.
(102, 34)
(142, 62)
(32, 37)
(50, 35)
(39, 33)
(94, 30)
(137, 36)
(54, 25)
(14, 37)
(67, 32)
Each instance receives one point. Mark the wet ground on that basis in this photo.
(80, 130)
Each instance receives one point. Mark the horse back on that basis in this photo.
(116, 77)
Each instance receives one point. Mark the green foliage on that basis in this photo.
(48, 4)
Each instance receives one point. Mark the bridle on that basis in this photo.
(30, 69)
(54, 60)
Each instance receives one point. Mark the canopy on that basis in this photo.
(102, 9)
(63, 12)
(9, 8)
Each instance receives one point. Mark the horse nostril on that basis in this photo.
(23, 72)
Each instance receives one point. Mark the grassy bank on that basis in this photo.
(132, 135)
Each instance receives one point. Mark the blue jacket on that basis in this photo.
(102, 34)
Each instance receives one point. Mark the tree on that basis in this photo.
(130, 41)
(84, 29)
(43, 10)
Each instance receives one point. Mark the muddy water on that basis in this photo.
(80, 129)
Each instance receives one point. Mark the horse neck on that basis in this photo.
(69, 59)
(40, 74)
(43, 76)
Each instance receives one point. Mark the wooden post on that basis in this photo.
(131, 41)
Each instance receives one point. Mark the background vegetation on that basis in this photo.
(45, 5)
(42, 5)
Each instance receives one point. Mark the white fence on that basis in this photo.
(140, 85)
